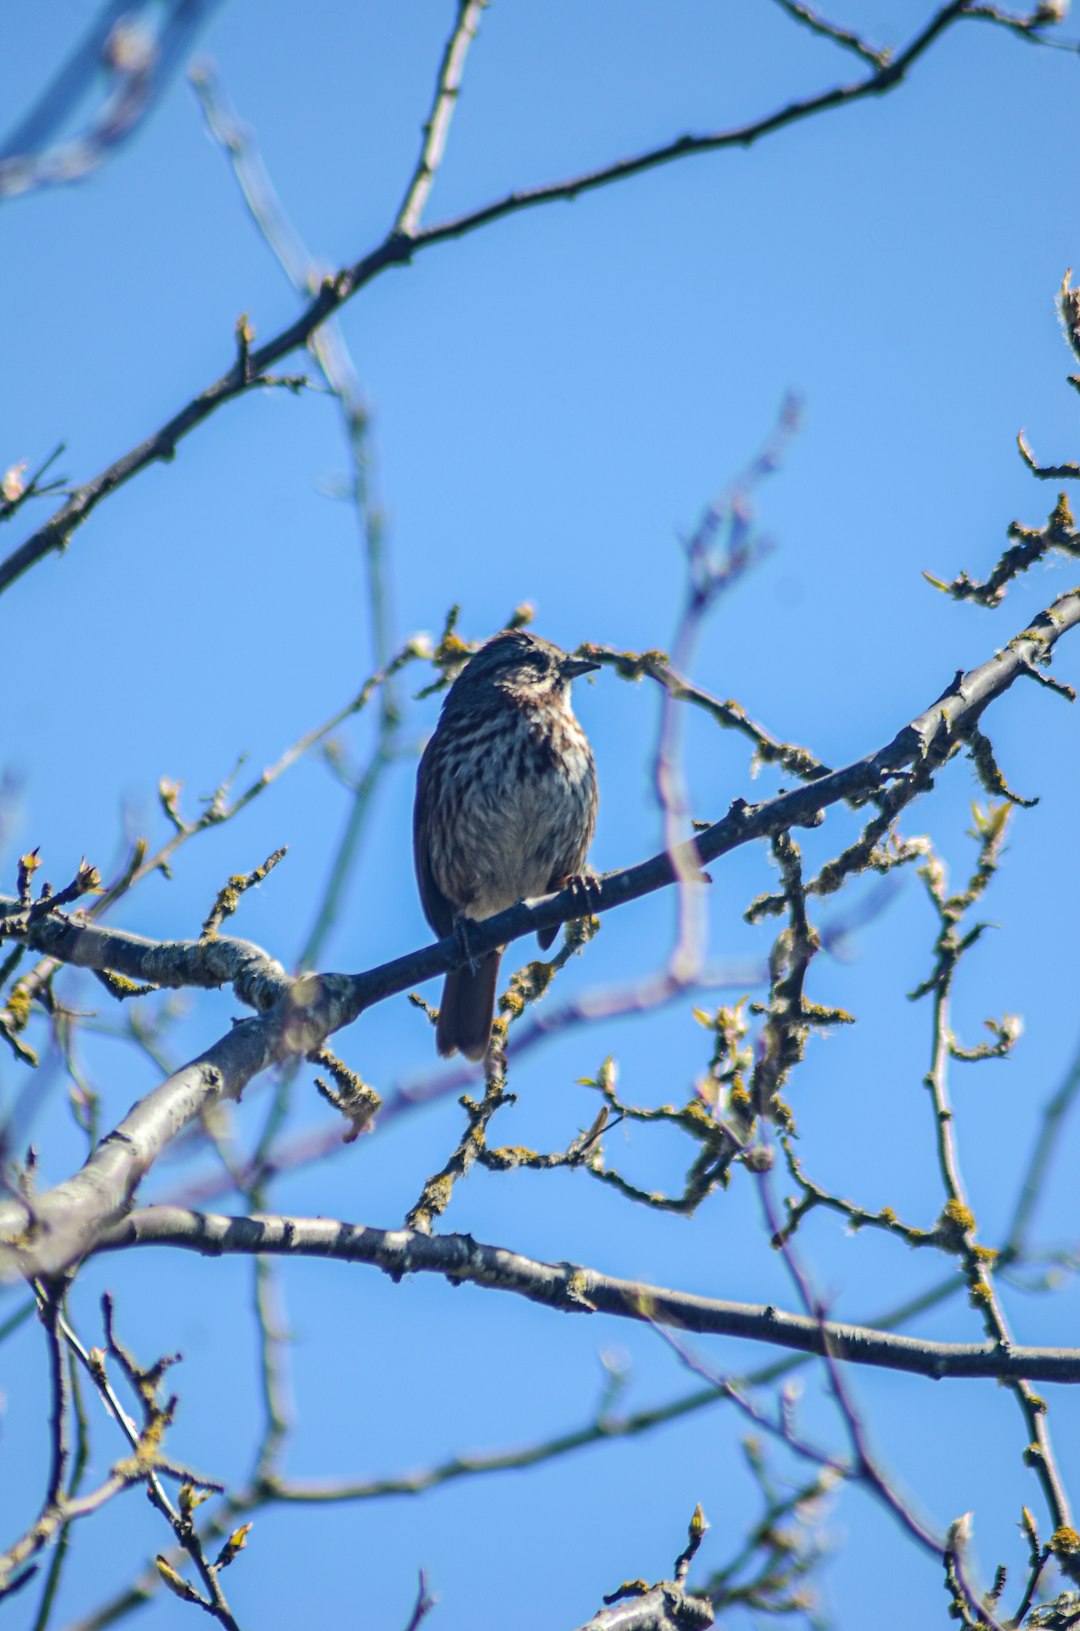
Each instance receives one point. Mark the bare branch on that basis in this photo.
(977, 1262)
(576, 1289)
(425, 1602)
(437, 126)
(140, 54)
(846, 37)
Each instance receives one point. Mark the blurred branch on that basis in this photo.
(81, 1459)
(16, 490)
(331, 353)
(1047, 1144)
(138, 55)
(220, 808)
(327, 344)
(1028, 25)
(425, 1602)
(723, 547)
(48, 1311)
(52, 1522)
(399, 248)
(784, 1553)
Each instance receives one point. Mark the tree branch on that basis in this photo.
(139, 47)
(572, 1289)
(437, 125)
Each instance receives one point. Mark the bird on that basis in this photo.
(506, 800)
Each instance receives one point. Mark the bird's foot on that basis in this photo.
(586, 889)
(461, 935)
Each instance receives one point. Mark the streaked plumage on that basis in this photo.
(505, 808)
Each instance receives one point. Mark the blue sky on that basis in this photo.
(554, 401)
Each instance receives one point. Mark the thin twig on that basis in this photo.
(425, 1602)
(437, 125)
(978, 1264)
(139, 64)
(831, 31)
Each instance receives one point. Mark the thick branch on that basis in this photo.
(56, 1229)
(666, 1607)
(575, 1290)
(256, 977)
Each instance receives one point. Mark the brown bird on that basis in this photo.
(505, 809)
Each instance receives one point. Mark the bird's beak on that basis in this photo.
(571, 667)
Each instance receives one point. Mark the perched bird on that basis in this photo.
(505, 809)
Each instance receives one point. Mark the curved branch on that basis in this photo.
(665, 1607)
(256, 978)
(573, 1289)
(437, 126)
(140, 52)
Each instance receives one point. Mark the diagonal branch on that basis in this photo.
(140, 47)
(437, 126)
(845, 37)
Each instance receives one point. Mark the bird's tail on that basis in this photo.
(468, 1008)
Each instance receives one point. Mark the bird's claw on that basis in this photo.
(461, 935)
(586, 889)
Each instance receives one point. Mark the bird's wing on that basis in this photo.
(437, 909)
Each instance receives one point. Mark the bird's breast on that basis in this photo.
(521, 801)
